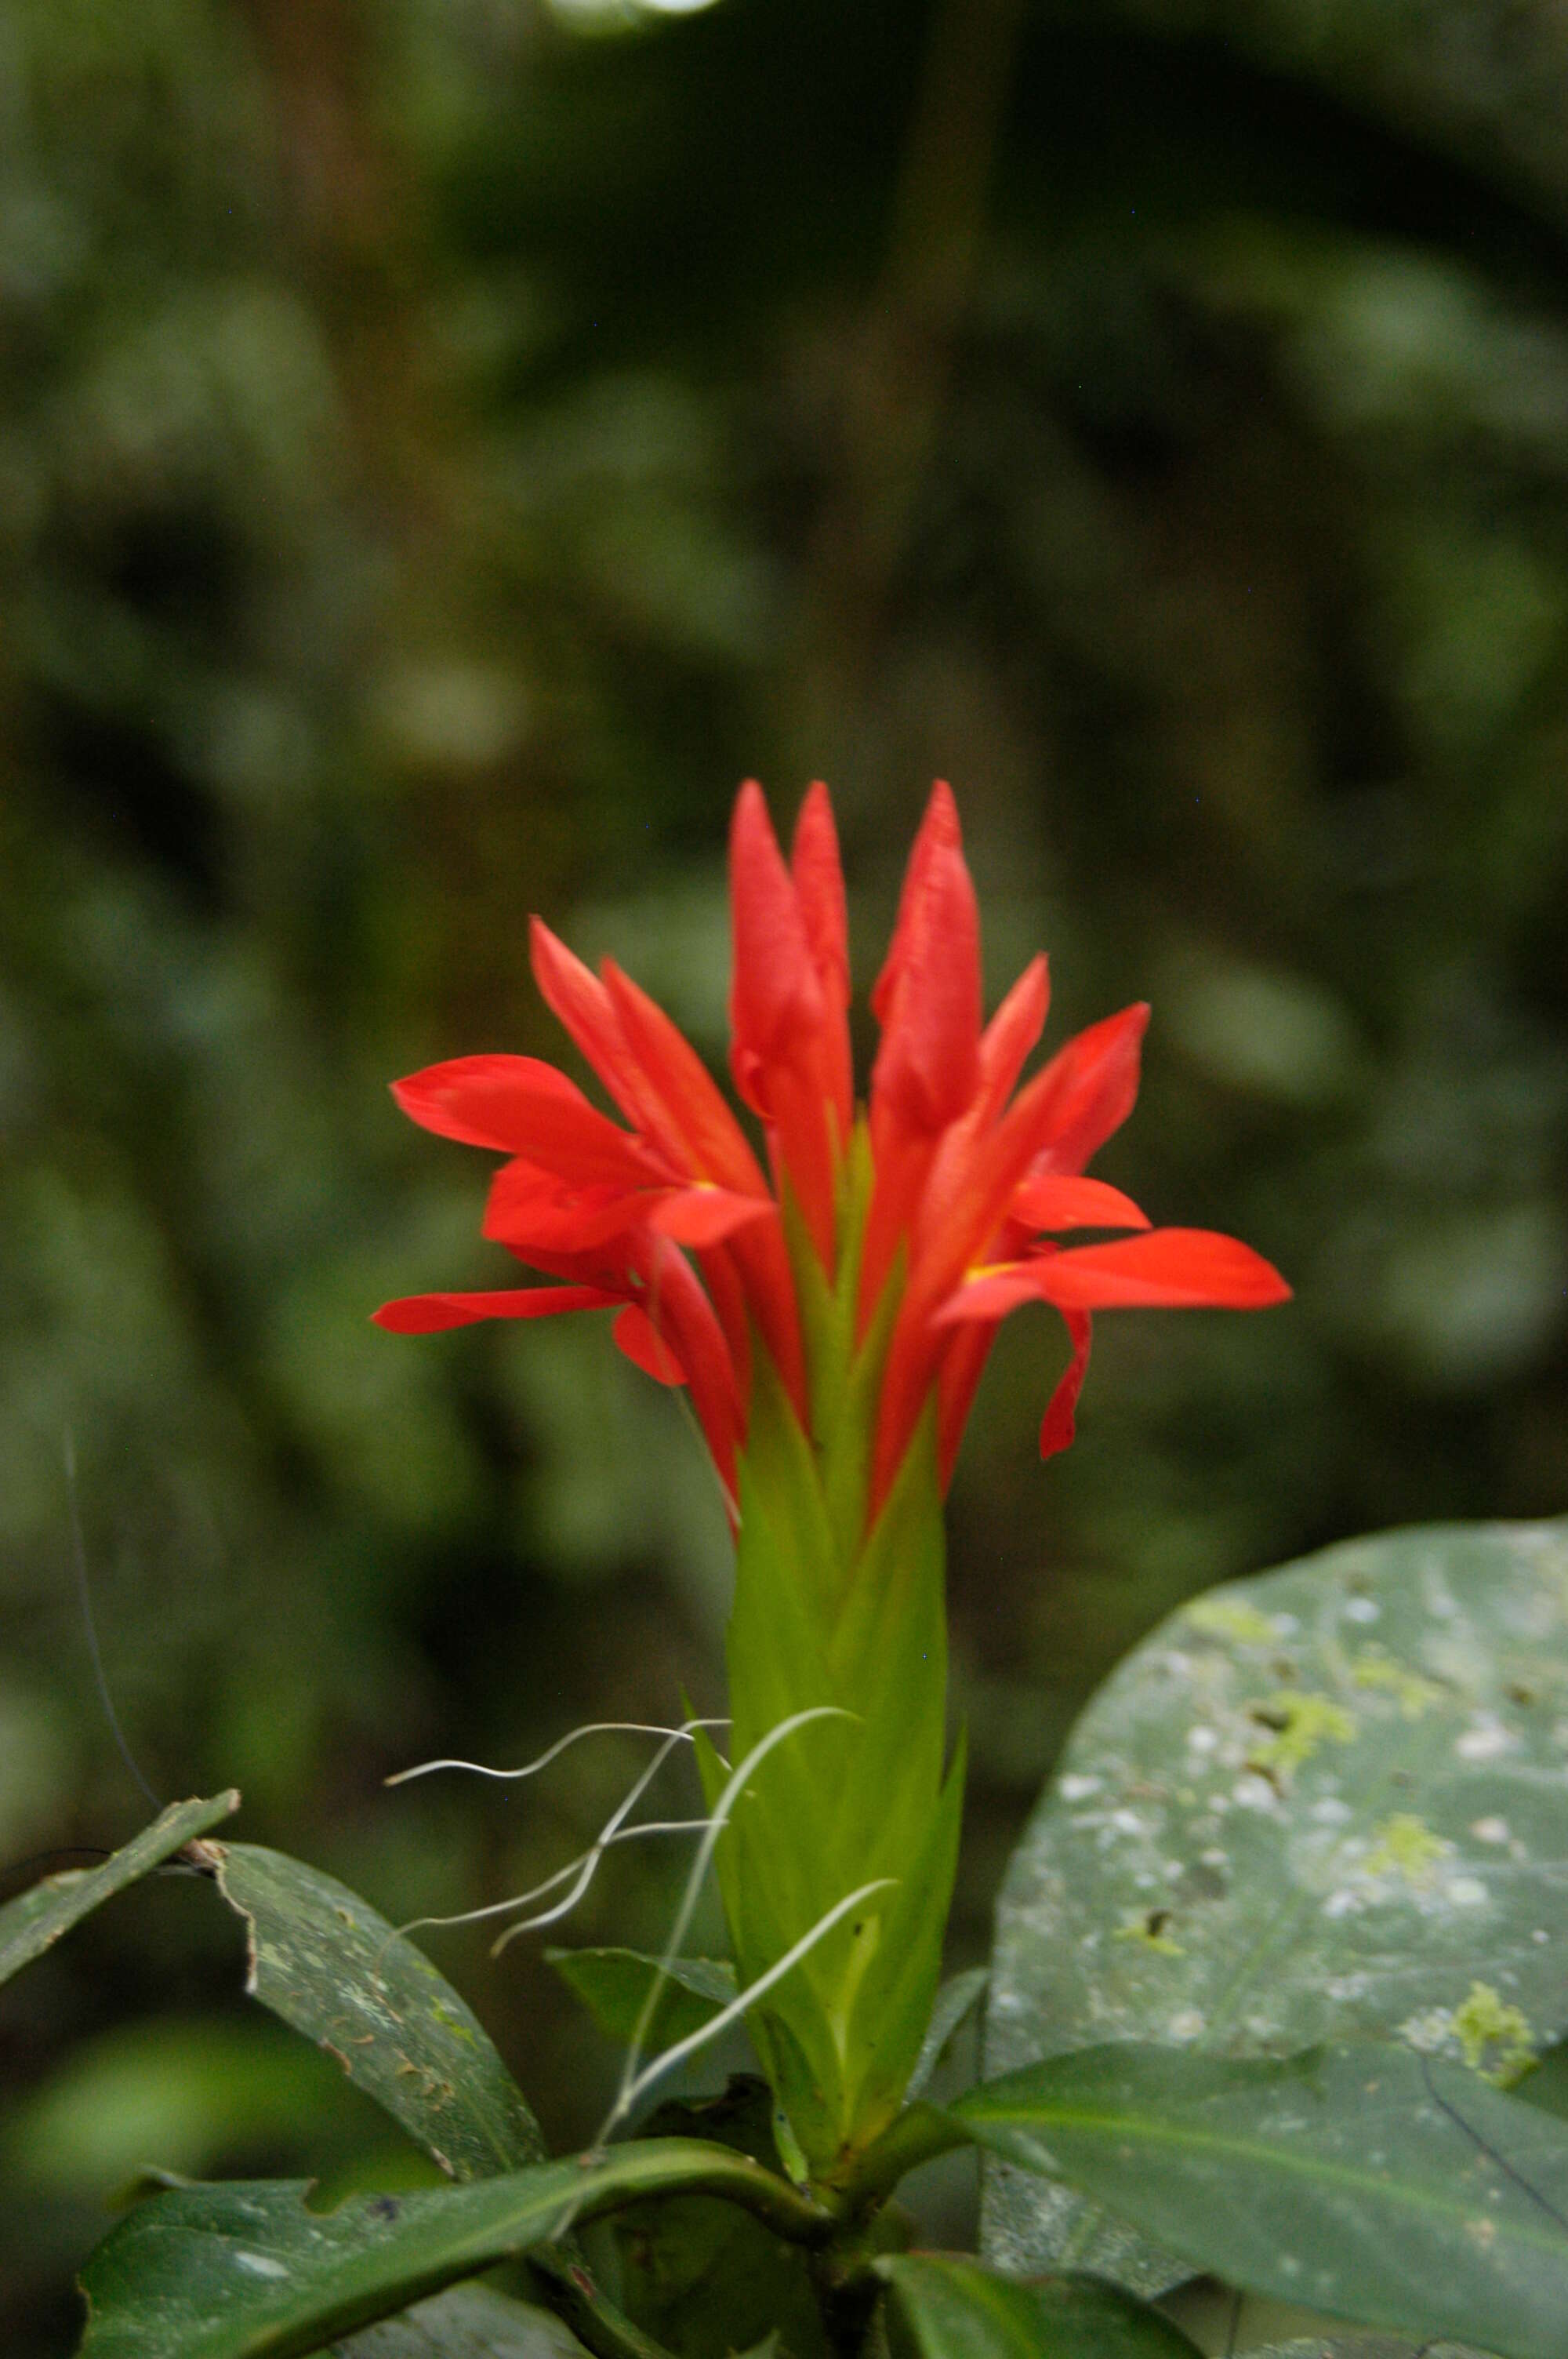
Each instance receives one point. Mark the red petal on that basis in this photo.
(1177, 1269)
(1088, 1090)
(484, 1100)
(685, 1113)
(1053, 1125)
(704, 1216)
(1057, 1201)
(958, 1378)
(580, 1001)
(1011, 1033)
(790, 1054)
(531, 1211)
(820, 881)
(993, 1296)
(775, 994)
(1057, 1425)
(928, 995)
(425, 1314)
(685, 1315)
(636, 1335)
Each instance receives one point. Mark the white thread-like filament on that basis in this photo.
(743, 1999)
(719, 1819)
(554, 1752)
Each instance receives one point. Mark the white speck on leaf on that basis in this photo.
(1485, 1740)
(1250, 1793)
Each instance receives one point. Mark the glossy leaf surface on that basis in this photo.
(244, 2271)
(1368, 2182)
(1326, 1803)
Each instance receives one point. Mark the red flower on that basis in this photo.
(953, 1217)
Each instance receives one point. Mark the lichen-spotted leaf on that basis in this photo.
(1326, 1803)
(323, 1960)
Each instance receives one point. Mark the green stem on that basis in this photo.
(919, 2135)
(692, 2167)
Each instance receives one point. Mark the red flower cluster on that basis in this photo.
(673, 1219)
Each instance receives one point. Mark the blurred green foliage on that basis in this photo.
(443, 445)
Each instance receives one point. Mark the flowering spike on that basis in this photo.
(895, 1244)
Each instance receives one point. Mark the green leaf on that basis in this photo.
(1223, 2324)
(1349, 2346)
(244, 2271)
(942, 2307)
(613, 1985)
(955, 2001)
(36, 1919)
(1365, 2182)
(322, 1959)
(1323, 1804)
(466, 2322)
(703, 2276)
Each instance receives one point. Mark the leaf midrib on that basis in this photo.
(1149, 2132)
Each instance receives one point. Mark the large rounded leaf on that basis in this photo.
(1328, 1803)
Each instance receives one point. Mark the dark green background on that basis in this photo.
(443, 446)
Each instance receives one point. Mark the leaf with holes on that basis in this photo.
(322, 1959)
(1327, 1803)
(1372, 2183)
(36, 1919)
